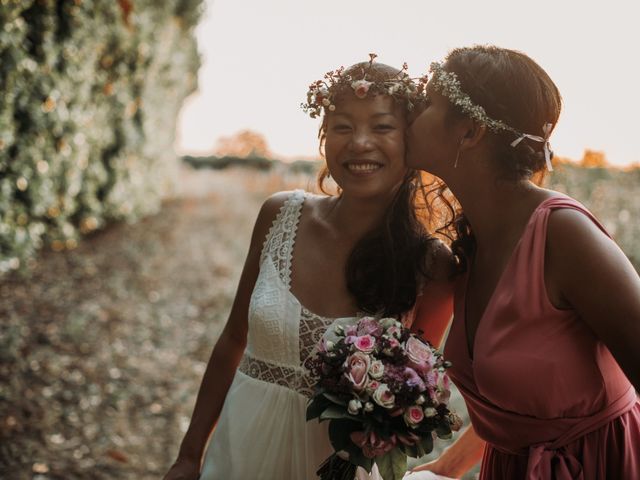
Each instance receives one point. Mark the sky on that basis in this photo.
(259, 57)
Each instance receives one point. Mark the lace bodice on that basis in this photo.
(283, 334)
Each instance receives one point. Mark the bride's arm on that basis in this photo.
(226, 355)
(459, 458)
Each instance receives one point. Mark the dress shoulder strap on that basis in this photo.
(278, 244)
(541, 219)
(528, 263)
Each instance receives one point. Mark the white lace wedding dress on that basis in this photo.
(262, 432)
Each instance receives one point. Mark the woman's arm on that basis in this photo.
(434, 308)
(587, 271)
(226, 355)
(433, 316)
(459, 458)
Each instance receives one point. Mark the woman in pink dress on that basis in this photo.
(544, 342)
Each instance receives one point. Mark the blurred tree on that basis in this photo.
(593, 158)
(90, 95)
(245, 143)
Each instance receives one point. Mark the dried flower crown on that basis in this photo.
(322, 93)
(447, 84)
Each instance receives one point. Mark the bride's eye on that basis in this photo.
(341, 127)
(384, 127)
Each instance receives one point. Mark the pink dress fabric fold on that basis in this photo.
(542, 390)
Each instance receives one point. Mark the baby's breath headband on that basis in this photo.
(322, 93)
(448, 85)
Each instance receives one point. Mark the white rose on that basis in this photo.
(376, 370)
(354, 406)
(430, 412)
(384, 397)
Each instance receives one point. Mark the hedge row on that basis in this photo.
(90, 95)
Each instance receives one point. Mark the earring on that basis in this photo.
(455, 164)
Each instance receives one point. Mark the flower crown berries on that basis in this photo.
(448, 85)
(322, 93)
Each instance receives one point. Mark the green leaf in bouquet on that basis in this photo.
(444, 432)
(340, 433)
(411, 450)
(340, 437)
(357, 457)
(426, 444)
(335, 399)
(334, 412)
(392, 465)
(316, 406)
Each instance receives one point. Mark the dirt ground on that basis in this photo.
(102, 348)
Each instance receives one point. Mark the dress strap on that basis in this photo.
(278, 244)
(533, 243)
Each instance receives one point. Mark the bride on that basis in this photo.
(313, 259)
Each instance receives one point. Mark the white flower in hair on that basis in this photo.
(321, 93)
(361, 88)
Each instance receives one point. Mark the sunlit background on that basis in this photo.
(260, 56)
(120, 257)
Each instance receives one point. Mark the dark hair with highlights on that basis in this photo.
(511, 87)
(387, 266)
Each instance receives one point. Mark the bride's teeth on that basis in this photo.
(363, 167)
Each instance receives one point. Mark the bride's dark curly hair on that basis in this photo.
(511, 87)
(390, 263)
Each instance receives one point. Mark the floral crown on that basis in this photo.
(322, 93)
(448, 85)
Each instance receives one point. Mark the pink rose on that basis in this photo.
(443, 388)
(376, 370)
(372, 386)
(413, 416)
(365, 343)
(351, 331)
(419, 353)
(357, 366)
(369, 326)
(361, 88)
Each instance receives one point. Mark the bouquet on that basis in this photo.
(385, 393)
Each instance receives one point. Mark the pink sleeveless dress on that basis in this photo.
(541, 389)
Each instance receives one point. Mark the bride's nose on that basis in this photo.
(361, 140)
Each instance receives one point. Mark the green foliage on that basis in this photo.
(91, 91)
(220, 163)
(392, 465)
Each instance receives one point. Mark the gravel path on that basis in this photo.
(102, 348)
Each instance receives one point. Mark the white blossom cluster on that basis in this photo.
(90, 96)
(321, 93)
(448, 85)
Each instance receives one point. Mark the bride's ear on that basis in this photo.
(473, 134)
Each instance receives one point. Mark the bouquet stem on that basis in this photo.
(336, 468)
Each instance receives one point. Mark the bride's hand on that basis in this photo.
(426, 471)
(183, 469)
